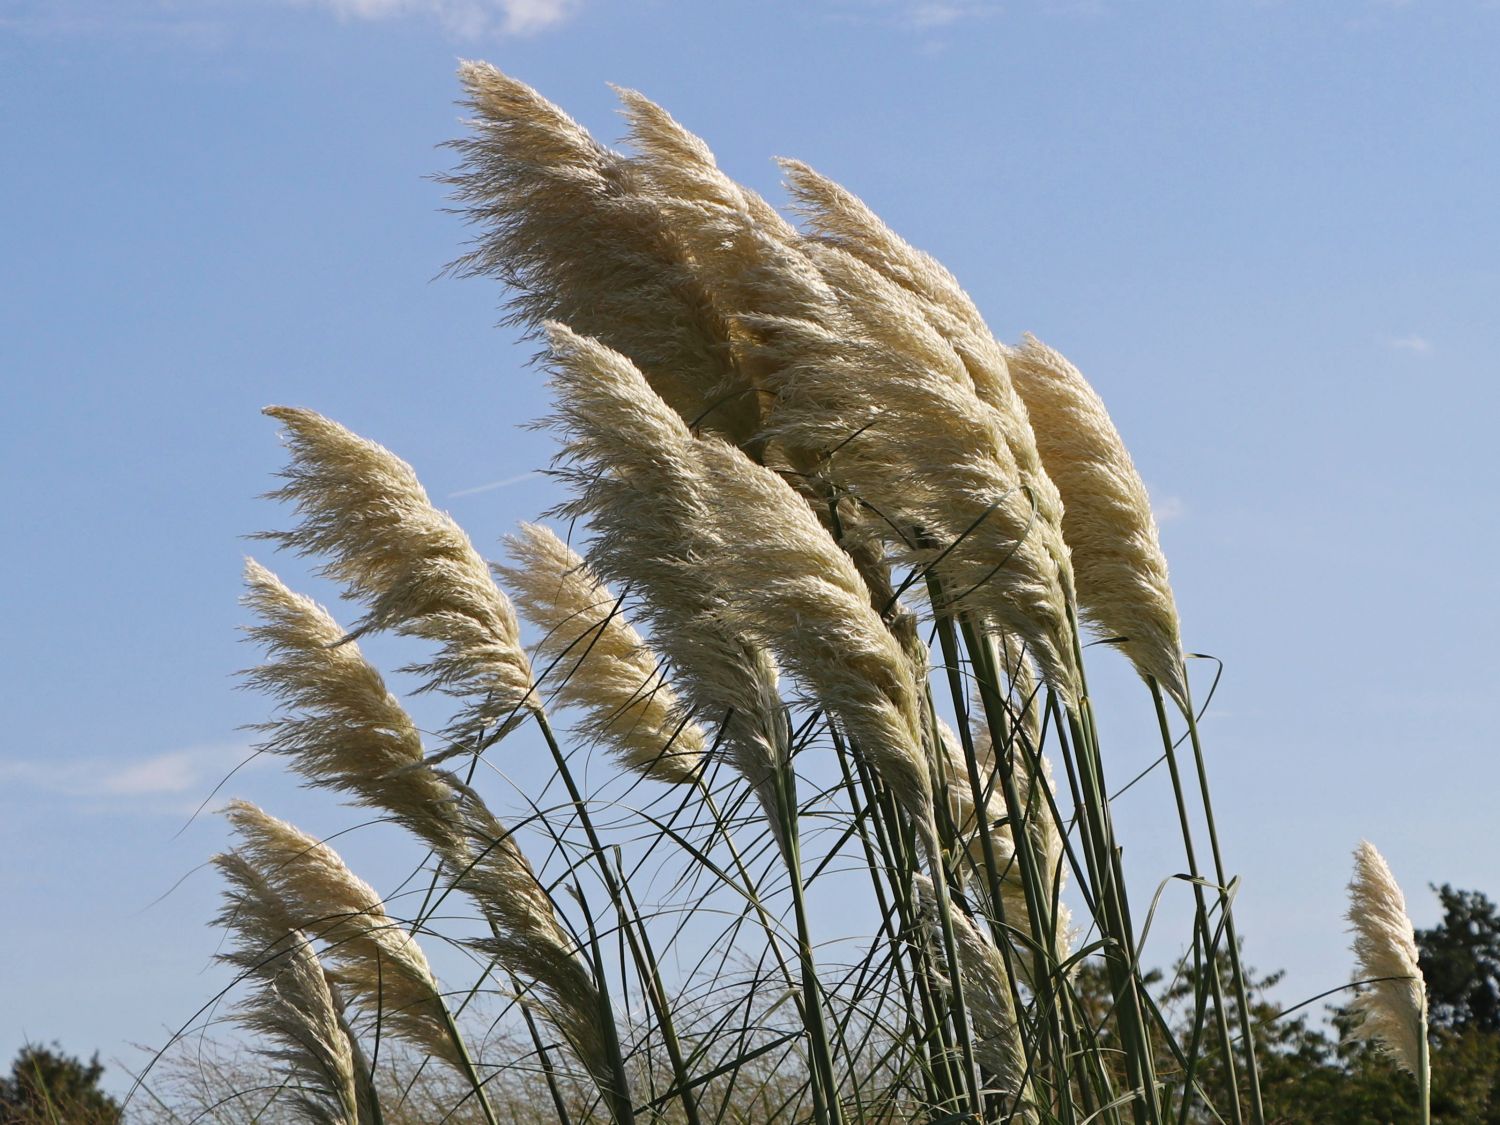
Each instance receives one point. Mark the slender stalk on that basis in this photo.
(825, 1084)
(1208, 961)
(1120, 953)
(1043, 920)
(1242, 998)
(1424, 1068)
(548, 1070)
(936, 1074)
(689, 1103)
(467, 1062)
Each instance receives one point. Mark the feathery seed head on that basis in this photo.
(842, 221)
(341, 728)
(374, 961)
(1121, 573)
(641, 484)
(294, 1006)
(787, 584)
(414, 569)
(599, 662)
(1393, 1009)
(860, 384)
(567, 225)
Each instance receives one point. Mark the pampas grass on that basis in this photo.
(828, 546)
(1391, 1011)
(412, 567)
(1118, 564)
(296, 1007)
(600, 663)
(376, 962)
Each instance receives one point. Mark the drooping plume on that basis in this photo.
(562, 222)
(987, 993)
(597, 661)
(842, 221)
(786, 583)
(1120, 571)
(640, 483)
(919, 447)
(375, 962)
(1392, 1010)
(295, 1007)
(340, 726)
(860, 384)
(411, 566)
(345, 731)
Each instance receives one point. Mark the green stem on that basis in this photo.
(826, 1105)
(466, 1063)
(1208, 960)
(1120, 952)
(1242, 997)
(1424, 1068)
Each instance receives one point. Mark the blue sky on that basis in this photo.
(1266, 231)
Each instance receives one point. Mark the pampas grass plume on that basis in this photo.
(600, 663)
(1119, 569)
(413, 568)
(376, 962)
(1392, 1010)
(642, 486)
(295, 1005)
(341, 727)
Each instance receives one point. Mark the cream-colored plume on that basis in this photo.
(861, 381)
(841, 220)
(295, 1006)
(987, 994)
(1392, 1010)
(678, 164)
(563, 222)
(375, 962)
(640, 483)
(923, 450)
(341, 728)
(786, 583)
(1121, 573)
(597, 661)
(414, 569)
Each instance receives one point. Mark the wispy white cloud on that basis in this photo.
(210, 22)
(504, 482)
(930, 15)
(1417, 345)
(1166, 509)
(468, 18)
(168, 774)
(921, 15)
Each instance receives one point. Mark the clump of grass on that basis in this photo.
(854, 543)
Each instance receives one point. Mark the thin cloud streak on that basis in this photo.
(470, 19)
(1417, 345)
(494, 484)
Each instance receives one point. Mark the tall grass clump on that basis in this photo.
(820, 587)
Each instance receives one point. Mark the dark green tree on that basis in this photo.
(1461, 961)
(46, 1085)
